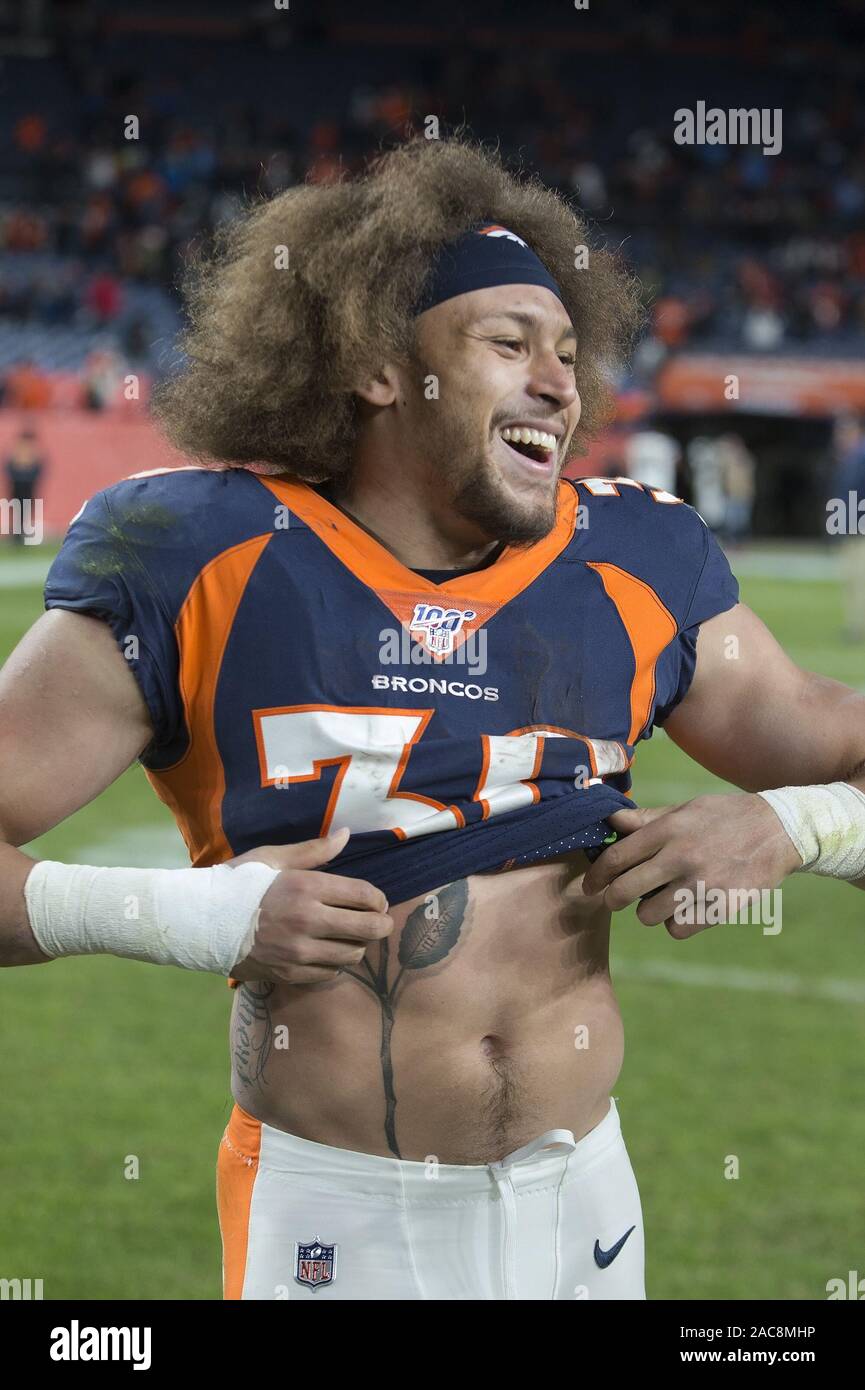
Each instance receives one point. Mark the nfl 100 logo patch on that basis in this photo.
(314, 1263)
(437, 626)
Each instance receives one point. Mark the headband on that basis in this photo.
(484, 256)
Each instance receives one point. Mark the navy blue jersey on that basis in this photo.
(300, 678)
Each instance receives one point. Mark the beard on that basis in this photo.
(479, 495)
(483, 500)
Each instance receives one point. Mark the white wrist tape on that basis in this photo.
(826, 824)
(199, 919)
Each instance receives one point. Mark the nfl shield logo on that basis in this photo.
(314, 1263)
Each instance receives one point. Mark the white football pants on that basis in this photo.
(556, 1219)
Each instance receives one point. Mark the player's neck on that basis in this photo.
(420, 533)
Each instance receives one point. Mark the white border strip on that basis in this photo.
(734, 977)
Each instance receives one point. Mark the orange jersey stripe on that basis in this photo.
(650, 628)
(194, 788)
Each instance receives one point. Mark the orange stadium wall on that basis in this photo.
(84, 452)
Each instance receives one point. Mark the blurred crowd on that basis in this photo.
(734, 248)
(99, 384)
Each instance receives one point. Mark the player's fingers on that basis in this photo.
(311, 975)
(661, 905)
(308, 854)
(680, 931)
(338, 891)
(342, 924)
(637, 883)
(634, 818)
(318, 951)
(625, 854)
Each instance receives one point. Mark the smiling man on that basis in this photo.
(393, 860)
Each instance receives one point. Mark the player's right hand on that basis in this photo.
(311, 925)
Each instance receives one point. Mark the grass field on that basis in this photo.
(737, 1044)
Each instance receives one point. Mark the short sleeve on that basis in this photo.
(100, 570)
(715, 590)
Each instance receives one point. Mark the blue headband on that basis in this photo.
(485, 256)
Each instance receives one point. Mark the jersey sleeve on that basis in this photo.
(100, 570)
(714, 590)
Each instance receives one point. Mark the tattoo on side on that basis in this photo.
(253, 1037)
(430, 933)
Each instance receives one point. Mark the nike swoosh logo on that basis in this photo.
(606, 1257)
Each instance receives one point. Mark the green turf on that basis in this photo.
(103, 1059)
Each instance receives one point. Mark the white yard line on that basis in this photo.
(25, 573)
(739, 978)
(801, 567)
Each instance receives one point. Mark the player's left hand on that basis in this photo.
(731, 842)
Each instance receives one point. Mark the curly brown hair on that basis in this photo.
(273, 355)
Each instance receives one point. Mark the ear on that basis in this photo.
(381, 389)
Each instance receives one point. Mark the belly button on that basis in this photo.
(489, 1045)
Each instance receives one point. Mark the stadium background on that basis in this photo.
(738, 1043)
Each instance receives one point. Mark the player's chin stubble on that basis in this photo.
(484, 500)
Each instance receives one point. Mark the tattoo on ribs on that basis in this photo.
(430, 933)
(253, 1035)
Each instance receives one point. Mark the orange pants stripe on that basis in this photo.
(236, 1169)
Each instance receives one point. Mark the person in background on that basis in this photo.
(652, 457)
(737, 468)
(27, 386)
(102, 377)
(24, 468)
(704, 467)
(849, 447)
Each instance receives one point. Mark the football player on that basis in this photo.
(389, 669)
